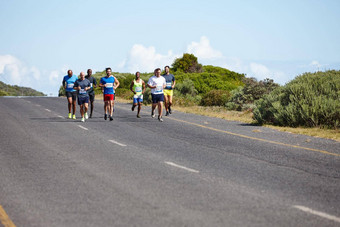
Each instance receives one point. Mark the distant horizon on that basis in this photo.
(280, 40)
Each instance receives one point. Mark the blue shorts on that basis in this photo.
(82, 100)
(157, 98)
(137, 99)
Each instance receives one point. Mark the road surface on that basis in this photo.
(189, 170)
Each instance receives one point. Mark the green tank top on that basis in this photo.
(138, 87)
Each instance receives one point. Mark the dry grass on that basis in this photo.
(247, 117)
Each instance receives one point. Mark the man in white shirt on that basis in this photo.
(157, 83)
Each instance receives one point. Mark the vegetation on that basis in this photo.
(9, 90)
(310, 100)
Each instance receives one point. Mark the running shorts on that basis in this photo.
(91, 95)
(72, 94)
(157, 98)
(108, 97)
(137, 98)
(83, 99)
(168, 92)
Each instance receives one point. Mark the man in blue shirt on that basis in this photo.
(71, 94)
(109, 83)
(82, 85)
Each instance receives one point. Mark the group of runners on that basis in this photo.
(82, 90)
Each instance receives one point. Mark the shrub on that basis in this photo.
(312, 99)
(215, 98)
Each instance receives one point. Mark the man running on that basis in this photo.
(110, 84)
(138, 88)
(93, 82)
(71, 94)
(168, 91)
(82, 85)
(157, 84)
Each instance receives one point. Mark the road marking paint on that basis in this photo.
(181, 167)
(318, 213)
(60, 116)
(249, 137)
(83, 127)
(48, 110)
(4, 218)
(115, 142)
(254, 138)
(37, 105)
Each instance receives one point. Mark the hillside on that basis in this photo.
(9, 90)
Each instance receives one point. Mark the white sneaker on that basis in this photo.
(82, 119)
(86, 116)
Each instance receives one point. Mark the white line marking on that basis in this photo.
(83, 127)
(120, 144)
(321, 214)
(181, 167)
(60, 116)
(37, 105)
(48, 110)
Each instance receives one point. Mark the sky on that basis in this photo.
(40, 40)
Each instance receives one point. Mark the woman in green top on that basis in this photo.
(138, 88)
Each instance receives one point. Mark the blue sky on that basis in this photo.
(40, 40)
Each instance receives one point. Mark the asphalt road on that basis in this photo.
(186, 171)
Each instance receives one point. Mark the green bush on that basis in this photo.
(312, 99)
(242, 98)
(215, 98)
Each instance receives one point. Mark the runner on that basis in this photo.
(168, 91)
(91, 92)
(157, 84)
(138, 88)
(83, 85)
(71, 94)
(110, 84)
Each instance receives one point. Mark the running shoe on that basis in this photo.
(160, 119)
(133, 108)
(111, 118)
(167, 113)
(82, 119)
(138, 116)
(86, 116)
(90, 115)
(170, 110)
(74, 117)
(105, 117)
(69, 115)
(153, 115)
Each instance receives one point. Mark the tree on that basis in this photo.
(187, 64)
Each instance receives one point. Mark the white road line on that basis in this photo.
(83, 127)
(181, 167)
(60, 116)
(120, 144)
(321, 214)
(48, 110)
(37, 105)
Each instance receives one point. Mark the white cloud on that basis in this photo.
(203, 50)
(145, 59)
(259, 71)
(15, 72)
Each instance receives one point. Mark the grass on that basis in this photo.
(247, 117)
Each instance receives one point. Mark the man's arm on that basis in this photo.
(143, 84)
(131, 86)
(116, 83)
(64, 83)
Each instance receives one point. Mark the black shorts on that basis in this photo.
(72, 94)
(157, 98)
(82, 100)
(91, 95)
